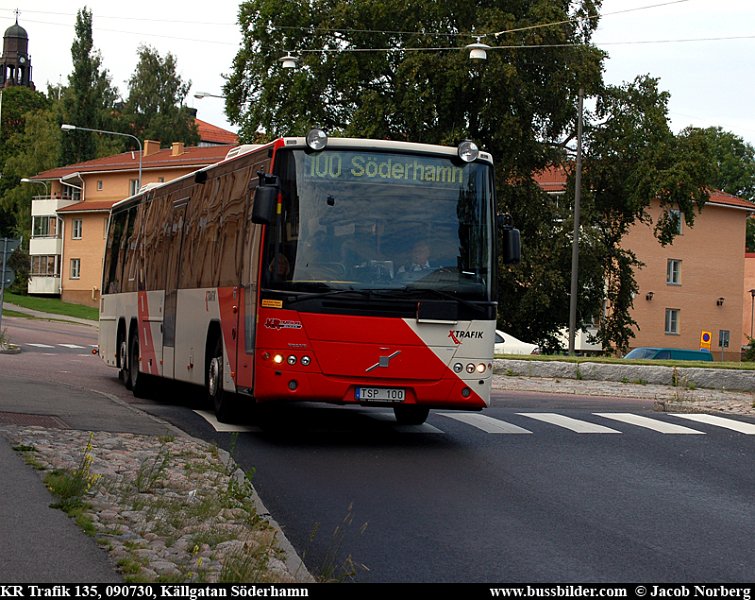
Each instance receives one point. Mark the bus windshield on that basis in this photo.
(395, 222)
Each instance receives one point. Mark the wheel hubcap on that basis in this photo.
(213, 379)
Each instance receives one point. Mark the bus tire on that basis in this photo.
(137, 379)
(410, 414)
(218, 397)
(124, 375)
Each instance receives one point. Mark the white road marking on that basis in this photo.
(224, 427)
(649, 423)
(485, 423)
(72, 346)
(569, 423)
(740, 426)
(389, 416)
(40, 345)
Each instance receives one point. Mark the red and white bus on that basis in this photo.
(312, 269)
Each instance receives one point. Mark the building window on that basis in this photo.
(674, 271)
(77, 228)
(75, 268)
(161, 180)
(44, 226)
(133, 187)
(676, 216)
(99, 185)
(672, 321)
(44, 266)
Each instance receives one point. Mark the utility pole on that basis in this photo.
(575, 241)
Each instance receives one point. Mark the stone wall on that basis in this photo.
(685, 377)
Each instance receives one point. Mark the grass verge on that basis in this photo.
(53, 306)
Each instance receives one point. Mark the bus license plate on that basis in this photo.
(374, 394)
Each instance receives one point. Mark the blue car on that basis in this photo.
(647, 353)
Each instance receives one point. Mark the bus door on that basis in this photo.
(177, 219)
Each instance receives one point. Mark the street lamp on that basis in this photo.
(201, 95)
(67, 127)
(44, 183)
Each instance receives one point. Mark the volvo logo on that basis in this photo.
(383, 361)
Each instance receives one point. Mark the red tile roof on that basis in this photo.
(89, 206)
(193, 156)
(214, 134)
(722, 198)
(553, 179)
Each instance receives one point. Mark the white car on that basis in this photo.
(508, 344)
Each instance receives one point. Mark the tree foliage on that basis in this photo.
(520, 103)
(632, 158)
(155, 107)
(89, 99)
(22, 108)
(733, 160)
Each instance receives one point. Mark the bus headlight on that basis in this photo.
(468, 151)
(317, 139)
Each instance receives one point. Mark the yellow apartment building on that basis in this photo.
(696, 284)
(69, 221)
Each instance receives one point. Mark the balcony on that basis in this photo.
(45, 245)
(45, 205)
(44, 284)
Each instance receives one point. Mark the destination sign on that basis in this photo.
(369, 167)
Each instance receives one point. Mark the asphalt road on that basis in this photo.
(543, 488)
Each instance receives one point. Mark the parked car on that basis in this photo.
(508, 344)
(647, 353)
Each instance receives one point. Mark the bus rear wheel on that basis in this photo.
(136, 379)
(218, 397)
(410, 414)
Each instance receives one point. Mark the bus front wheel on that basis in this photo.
(217, 396)
(410, 414)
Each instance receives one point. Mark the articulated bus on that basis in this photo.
(346, 271)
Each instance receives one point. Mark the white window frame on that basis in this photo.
(75, 269)
(675, 212)
(671, 322)
(674, 271)
(77, 229)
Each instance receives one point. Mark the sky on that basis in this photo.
(703, 51)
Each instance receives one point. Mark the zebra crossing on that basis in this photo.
(583, 426)
(57, 346)
(528, 423)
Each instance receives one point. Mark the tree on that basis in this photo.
(19, 105)
(733, 159)
(520, 104)
(89, 99)
(155, 107)
(631, 159)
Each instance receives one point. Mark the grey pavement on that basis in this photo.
(41, 544)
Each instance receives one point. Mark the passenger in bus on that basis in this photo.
(419, 259)
(279, 267)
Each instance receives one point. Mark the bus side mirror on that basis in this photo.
(265, 200)
(511, 241)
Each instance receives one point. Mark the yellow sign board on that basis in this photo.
(705, 339)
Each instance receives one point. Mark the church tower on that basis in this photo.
(15, 63)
